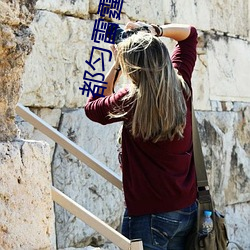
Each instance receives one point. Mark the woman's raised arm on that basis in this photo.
(178, 32)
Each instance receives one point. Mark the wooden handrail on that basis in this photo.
(70, 146)
(90, 219)
(94, 222)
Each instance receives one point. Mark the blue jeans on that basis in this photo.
(161, 231)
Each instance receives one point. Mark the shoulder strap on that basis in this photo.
(198, 156)
(204, 196)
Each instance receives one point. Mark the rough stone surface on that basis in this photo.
(210, 15)
(149, 12)
(220, 73)
(225, 139)
(59, 58)
(225, 64)
(78, 8)
(132, 10)
(26, 207)
(82, 184)
(237, 219)
(28, 131)
(15, 43)
(235, 11)
(226, 145)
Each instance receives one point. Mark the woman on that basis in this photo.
(157, 151)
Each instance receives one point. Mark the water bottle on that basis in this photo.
(207, 223)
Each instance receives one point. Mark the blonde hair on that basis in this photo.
(159, 104)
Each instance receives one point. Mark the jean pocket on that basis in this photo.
(163, 229)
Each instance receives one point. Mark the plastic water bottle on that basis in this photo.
(207, 223)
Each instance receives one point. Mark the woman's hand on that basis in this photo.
(132, 25)
(114, 50)
(138, 24)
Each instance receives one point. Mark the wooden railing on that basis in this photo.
(67, 203)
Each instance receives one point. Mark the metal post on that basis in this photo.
(136, 245)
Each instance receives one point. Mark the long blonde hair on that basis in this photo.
(159, 104)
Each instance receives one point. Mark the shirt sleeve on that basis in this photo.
(184, 56)
(99, 109)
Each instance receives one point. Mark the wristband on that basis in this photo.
(158, 29)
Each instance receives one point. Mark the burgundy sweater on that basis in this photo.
(157, 177)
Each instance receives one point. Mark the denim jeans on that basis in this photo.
(161, 231)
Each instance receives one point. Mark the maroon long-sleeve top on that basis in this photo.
(157, 177)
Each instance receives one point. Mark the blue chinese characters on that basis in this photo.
(103, 31)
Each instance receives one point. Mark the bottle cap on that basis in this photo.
(207, 213)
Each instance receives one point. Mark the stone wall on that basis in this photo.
(26, 207)
(53, 75)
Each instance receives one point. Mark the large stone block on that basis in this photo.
(226, 148)
(151, 11)
(225, 140)
(238, 221)
(189, 11)
(16, 42)
(207, 15)
(82, 184)
(228, 65)
(26, 206)
(54, 70)
(248, 19)
(77, 8)
(220, 74)
(132, 10)
(230, 16)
